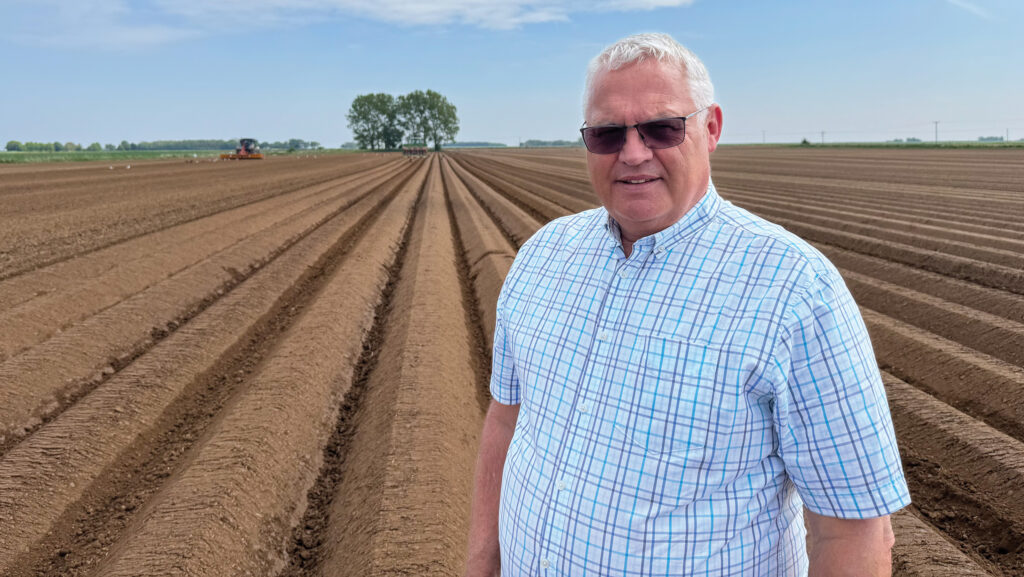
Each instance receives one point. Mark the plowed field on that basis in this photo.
(280, 367)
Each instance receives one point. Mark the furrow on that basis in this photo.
(920, 551)
(885, 207)
(38, 384)
(894, 199)
(69, 275)
(993, 301)
(974, 252)
(900, 229)
(570, 203)
(487, 255)
(537, 206)
(934, 191)
(232, 508)
(953, 461)
(119, 214)
(977, 384)
(480, 340)
(403, 506)
(984, 273)
(515, 223)
(562, 182)
(123, 439)
(167, 263)
(984, 332)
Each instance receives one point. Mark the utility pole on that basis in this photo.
(936, 131)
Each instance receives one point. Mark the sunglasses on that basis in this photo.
(659, 133)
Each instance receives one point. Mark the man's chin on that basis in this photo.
(638, 224)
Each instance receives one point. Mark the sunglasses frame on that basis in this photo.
(637, 126)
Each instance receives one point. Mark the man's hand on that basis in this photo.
(849, 547)
(484, 559)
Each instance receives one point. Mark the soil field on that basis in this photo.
(280, 367)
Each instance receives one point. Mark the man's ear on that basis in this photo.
(713, 123)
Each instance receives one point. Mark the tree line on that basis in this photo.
(381, 121)
(201, 144)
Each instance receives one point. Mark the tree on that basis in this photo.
(125, 145)
(373, 119)
(13, 146)
(58, 147)
(430, 114)
(109, 147)
(94, 147)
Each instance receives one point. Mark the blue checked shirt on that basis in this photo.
(680, 405)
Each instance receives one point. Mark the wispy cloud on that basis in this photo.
(102, 24)
(124, 23)
(972, 8)
(498, 14)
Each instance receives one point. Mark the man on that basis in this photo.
(675, 379)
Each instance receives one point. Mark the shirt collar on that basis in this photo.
(694, 220)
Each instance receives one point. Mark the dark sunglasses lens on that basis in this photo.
(604, 139)
(663, 133)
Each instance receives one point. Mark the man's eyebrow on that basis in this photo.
(659, 116)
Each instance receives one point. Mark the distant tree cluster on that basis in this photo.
(15, 146)
(291, 144)
(545, 143)
(476, 145)
(381, 121)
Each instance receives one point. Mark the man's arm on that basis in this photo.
(499, 425)
(849, 547)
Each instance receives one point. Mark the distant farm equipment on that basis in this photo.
(247, 149)
(416, 146)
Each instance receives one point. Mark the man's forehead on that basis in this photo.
(638, 92)
(636, 107)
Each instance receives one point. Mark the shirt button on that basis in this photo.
(584, 408)
(623, 273)
(545, 563)
(602, 336)
(561, 485)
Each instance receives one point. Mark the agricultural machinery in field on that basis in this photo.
(415, 146)
(247, 149)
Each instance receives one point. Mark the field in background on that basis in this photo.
(121, 156)
(233, 368)
(125, 155)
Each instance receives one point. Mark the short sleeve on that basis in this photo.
(832, 415)
(504, 384)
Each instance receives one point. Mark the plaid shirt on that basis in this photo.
(680, 405)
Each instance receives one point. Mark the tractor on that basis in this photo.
(247, 149)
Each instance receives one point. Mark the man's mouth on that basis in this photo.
(638, 180)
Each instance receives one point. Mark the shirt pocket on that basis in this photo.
(670, 400)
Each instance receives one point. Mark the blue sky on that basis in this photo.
(108, 70)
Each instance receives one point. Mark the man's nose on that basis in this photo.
(634, 151)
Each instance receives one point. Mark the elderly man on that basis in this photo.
(675, 379)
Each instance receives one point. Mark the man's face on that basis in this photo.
(671, 180)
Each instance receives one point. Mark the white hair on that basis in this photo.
(662, 48)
